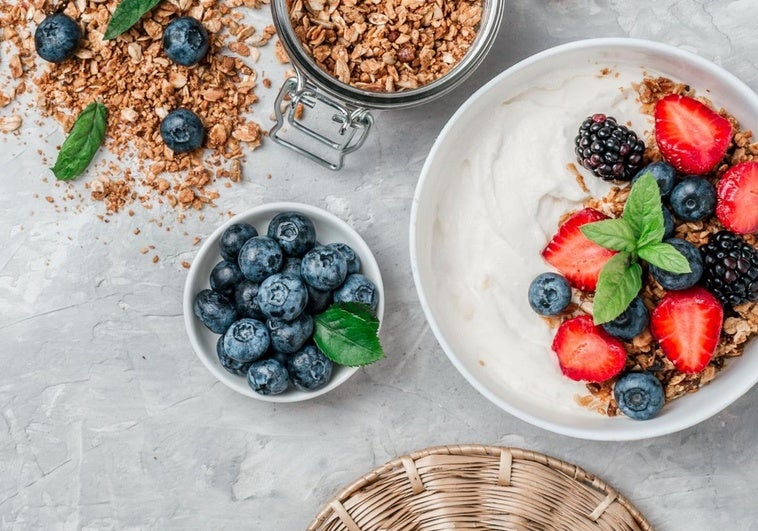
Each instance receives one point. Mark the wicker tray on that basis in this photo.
(478, 487)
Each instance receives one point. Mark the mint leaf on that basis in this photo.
(616, 234)
(643, 210)
(618, 284)
(347, 334)
(82, 142)
(665, 256)
(126, 15)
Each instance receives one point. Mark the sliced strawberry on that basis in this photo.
(691, 137)
(687, 324)
(577, 258)
(587, 352)
(738, 198)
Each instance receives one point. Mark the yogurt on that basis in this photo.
(493, 221)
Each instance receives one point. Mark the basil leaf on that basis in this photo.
(619, 282)
(82, 142)
(665, 256)
(643, 210)
(347, 334)
(614, 234)
(126, 15)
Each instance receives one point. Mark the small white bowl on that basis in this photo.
(329, 229)
(458, 144)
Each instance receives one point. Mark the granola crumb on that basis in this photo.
(185, 264)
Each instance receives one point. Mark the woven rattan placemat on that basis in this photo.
(478, 487)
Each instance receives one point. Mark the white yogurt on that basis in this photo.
(495, 219)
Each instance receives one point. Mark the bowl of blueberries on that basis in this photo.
(255, 287)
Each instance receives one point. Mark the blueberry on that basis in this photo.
(668, 223)
(267, 377)
(282, 296)
(358, 288)
(309, 369)
(214, 310)
(224, 278)
(292, 266)
(549, 294)
(233, 366)
(259, 258)
(631, 322)
(185, 41)
(246, 340)
(664, 173)
(233, 238)
(281, 357)
(324, 268)
(318, 301)
(182, 131)
(57, 38)
(353, 261)
(290, 336)
(693, 199)
(639, 395)
(293, 231)
(679, 281)
(245, 302)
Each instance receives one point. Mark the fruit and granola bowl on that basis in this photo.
(583, 239)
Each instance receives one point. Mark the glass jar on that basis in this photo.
(350, 106)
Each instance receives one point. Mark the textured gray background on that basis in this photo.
(109, 421)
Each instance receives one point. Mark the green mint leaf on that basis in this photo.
(82, 142)
(665, 256)
(347, 334)
(618, 284)
(643, 210)
(615, 234)
(126, 15)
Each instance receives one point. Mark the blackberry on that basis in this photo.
(730, 268)
(609, 150)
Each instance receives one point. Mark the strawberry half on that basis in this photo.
(690, 136)
(587, 352)
(687, 324)
(576, 257)
(737, 198)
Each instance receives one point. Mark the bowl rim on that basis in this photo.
(644, 430)
(194, 277)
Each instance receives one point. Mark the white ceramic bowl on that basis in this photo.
(444, 166)
(329, 229)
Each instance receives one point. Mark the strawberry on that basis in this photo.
(737, 197)
(691, 137)
(687, 325)
(577, 258)
(587, 352)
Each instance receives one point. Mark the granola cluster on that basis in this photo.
(386, 45)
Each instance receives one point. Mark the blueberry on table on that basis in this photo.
(664, 174)
(292, 266)
(259, 258)
(639, 395)
(309, 368)
(631, 323)
(268, 377)
(214, 310)
(182, 131)
(233, 366)
(358, 288)
(245, 302)
(679, 281)
(57, 37)
(282, 296)
(318, 301)
(353, 261)
(224, 278)
(246, 340)
(185, 41)
(549, 294)
(693, 199)
(233, 238)
(324, 268)
(289, 336)
(294, 232)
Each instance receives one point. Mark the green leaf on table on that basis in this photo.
(82, 142)
(665, 256)
(126, 15)
(643, 210)
(615, 234)
(618, 284)
(347, 333)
